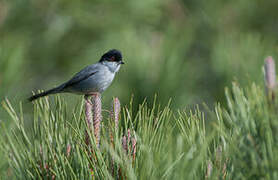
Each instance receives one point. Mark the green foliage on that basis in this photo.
(180, 49)
(239, 142)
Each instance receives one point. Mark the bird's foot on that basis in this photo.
(93, 94)
(88, 97)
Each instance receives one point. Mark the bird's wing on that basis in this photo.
(82, 75)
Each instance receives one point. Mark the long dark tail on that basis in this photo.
(51, 91)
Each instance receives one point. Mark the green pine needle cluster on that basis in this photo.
(236, 142)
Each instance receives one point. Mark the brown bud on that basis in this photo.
(68, 150)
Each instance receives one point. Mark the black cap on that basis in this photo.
(112, 55)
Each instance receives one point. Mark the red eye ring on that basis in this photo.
(112, 58)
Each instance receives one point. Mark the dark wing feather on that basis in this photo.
(77, 80)
(80, 76)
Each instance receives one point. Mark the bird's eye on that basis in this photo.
(112, 58)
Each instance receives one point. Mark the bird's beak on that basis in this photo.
(121, 62)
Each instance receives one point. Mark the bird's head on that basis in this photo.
(112, 59)
(112, 56)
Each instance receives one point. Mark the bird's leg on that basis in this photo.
(88, 99)
(93, 94)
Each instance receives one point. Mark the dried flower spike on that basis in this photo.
(133, 141)
(97, 117)
(209, 169)
(114, 116)
(94, 106)
(115, 111)
(124, 143)
(128, 140)
(219, 155)
(270, 77)
(88, 115)
(68, 150)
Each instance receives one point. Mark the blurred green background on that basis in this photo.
(186, 50)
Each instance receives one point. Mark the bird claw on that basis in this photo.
(93, 94)
(88, 99)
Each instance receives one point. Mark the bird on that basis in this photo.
(92, 79)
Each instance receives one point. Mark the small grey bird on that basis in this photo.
(92, 79)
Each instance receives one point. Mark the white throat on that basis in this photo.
(112, 66)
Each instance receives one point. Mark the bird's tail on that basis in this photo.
(45, 93)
